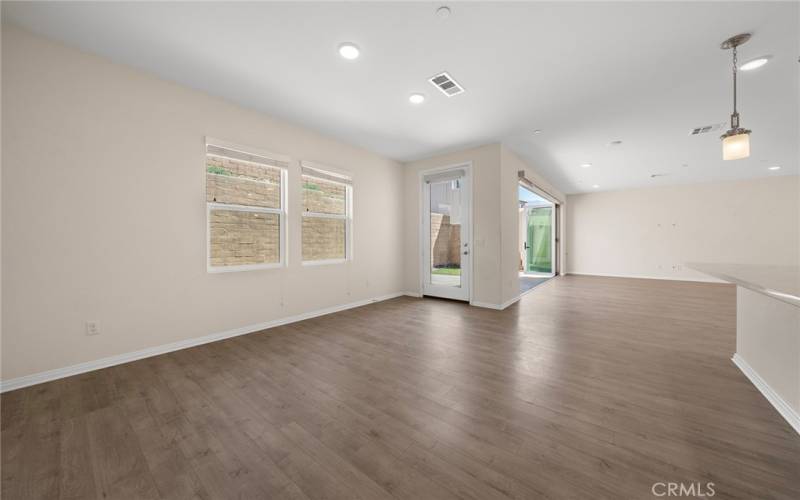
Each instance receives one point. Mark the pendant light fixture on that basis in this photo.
(736, 141)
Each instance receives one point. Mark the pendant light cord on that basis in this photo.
(734, 80)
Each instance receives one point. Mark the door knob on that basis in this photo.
(466, 252)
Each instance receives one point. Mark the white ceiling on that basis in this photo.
(584, 73)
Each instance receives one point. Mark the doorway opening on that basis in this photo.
(537, 239)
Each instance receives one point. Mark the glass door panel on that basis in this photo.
(540, 233)
(445, 233)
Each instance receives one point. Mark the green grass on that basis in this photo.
(449, 271)
(214, 169)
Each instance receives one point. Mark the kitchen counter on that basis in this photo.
(778, 282)
(767, 330)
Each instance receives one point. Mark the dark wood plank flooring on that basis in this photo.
(587, 388)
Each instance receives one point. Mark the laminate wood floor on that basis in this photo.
(587, 388)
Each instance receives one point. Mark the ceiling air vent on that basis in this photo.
(446, 84)
(707, 128)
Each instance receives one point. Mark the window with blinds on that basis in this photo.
(327, 215)
(246, 208)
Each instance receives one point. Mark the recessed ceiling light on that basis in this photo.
(595, 186)
(754, 63)
(349, 51)
(537, 131)
(775, 167)
(586, 165)
(443, 12)
(416, 98)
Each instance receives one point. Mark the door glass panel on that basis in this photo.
(540, 229)
(445, 224)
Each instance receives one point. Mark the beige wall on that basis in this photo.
(494, 198)
(104, 215)
(654, 232)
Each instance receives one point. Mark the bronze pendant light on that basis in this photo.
(736, 141)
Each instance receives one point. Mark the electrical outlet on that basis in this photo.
(92, 328)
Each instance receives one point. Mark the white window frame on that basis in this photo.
(347, 217)
(281, 211)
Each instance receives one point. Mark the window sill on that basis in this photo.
(247, 267)
(323, 262)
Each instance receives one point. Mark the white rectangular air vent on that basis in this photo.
(707, 128)
(446, 84)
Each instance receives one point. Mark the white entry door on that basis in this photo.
(446, 254)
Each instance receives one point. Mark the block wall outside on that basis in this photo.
(239, 238)
(445, 241)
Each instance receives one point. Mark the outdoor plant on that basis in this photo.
(215, 169)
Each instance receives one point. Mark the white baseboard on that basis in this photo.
(68, 371)
(498, 307)
(507, 303)
(475, 303)
(487, 305)
(636, 276)
(787, 412)
(510, 301)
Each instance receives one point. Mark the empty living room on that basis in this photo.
(411, 250)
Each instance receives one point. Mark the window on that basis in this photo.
(246, 208)
(327, 215)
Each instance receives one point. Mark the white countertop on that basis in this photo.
(778, 282)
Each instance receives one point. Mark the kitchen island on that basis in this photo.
(767, 329)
